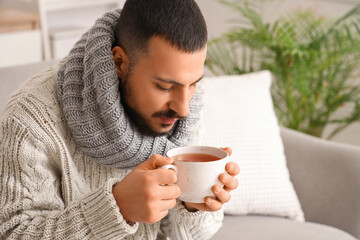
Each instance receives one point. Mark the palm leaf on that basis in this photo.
(312, 59)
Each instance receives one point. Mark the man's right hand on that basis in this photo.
(147, 193)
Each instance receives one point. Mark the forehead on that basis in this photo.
(167, 61)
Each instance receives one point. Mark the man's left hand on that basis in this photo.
(222, 194)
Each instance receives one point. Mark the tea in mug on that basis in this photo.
(196, 157)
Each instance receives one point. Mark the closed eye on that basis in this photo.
(194, 84)
(163, 88)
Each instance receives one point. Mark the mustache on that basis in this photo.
(167, 114)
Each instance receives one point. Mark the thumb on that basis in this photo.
(228, 150)
(155, 162)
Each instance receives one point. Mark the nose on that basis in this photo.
(180, 102)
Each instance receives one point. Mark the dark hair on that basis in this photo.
(180, 22)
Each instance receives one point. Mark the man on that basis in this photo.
(81, 142)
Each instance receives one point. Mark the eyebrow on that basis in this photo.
(175, 82)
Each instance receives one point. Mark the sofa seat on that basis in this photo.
(274, 228)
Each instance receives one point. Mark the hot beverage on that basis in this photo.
(197, 169)
(196, 157)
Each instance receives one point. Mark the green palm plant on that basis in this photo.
(314, 62)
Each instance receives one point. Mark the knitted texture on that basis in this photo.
(88, 91)
(51, 190)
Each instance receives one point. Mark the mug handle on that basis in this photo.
(170, 167)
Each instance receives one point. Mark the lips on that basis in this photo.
(168, 120)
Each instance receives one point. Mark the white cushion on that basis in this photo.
(238, 113)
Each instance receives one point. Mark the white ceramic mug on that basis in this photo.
(196, 179)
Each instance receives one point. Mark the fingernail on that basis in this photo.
(217, 190)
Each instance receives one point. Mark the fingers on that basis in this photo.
(164, 176)
(158, 160)
(212, 204)
(228, 150)
(156, 217)
(167, 204)
(221, 194)
(155, 162)
(163, 214)
(193, 207)
(169, 192)
(230, 182)
(232, 168)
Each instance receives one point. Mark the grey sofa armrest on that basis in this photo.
(326, 177)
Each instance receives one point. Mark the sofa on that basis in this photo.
(325, 175)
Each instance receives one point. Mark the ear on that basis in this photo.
(121, 61)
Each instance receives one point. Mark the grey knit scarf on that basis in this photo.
(88, 91)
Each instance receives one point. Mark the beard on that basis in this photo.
(140, 122)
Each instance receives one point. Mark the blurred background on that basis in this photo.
(41, 30)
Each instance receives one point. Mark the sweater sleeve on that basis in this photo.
(31, 199)
(185, 225)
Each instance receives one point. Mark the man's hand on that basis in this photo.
(222, 193)
(146, 194)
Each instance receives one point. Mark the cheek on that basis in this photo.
(150, 101)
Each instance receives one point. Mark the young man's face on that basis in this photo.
(158, 90)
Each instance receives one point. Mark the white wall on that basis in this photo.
(218, 18)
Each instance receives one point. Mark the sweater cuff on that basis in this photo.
(198, 218)
(103, 215)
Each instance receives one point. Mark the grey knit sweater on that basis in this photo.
(88, 89)
(51, 189)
